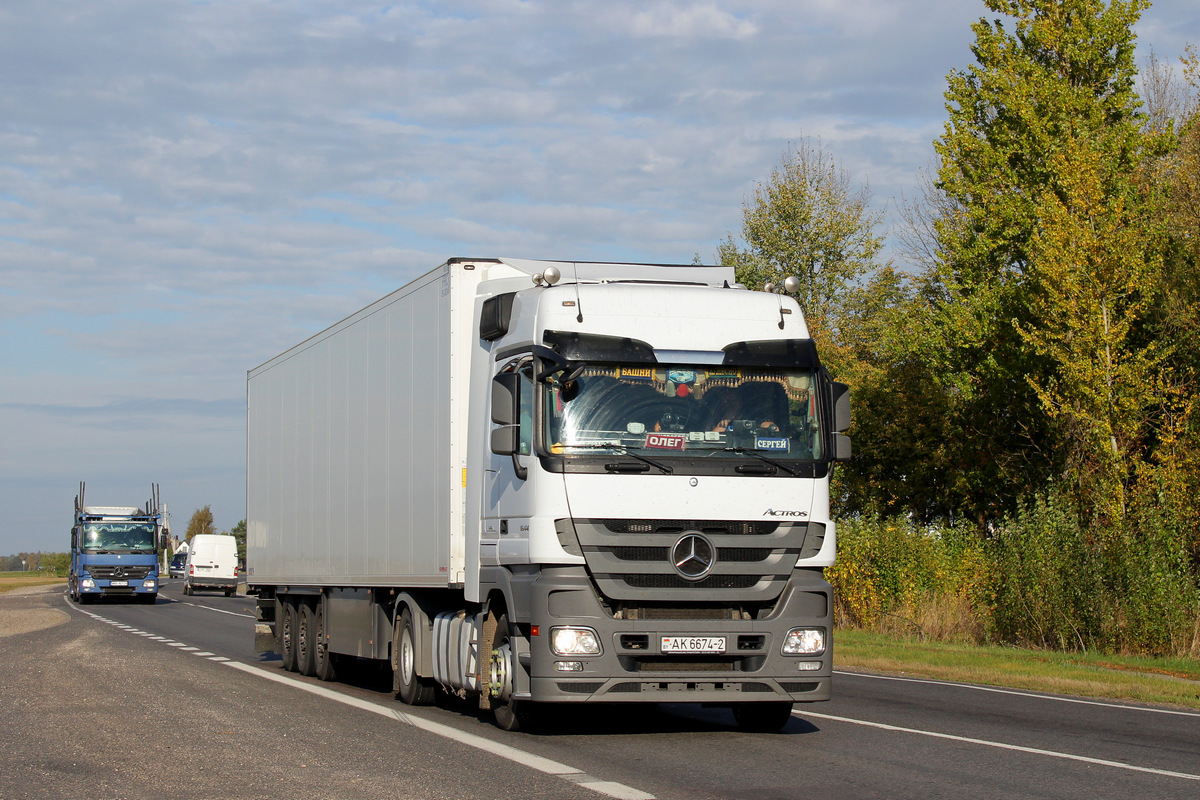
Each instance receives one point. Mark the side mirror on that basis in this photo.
(841, 447)
(506, 398)
(506, 405)
(840, 393)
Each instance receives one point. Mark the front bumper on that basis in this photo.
(107, 588)
(631, 667)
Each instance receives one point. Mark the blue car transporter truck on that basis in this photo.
(114, 550)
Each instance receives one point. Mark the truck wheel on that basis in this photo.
(323, 660)
(305, 638)
(762, 717)
(411, 687)
(511, 714)
(287, 636)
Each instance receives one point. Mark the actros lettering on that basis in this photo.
(770, 512)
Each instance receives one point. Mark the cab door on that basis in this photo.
(508, 502)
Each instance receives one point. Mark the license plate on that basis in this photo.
(693, 644)
(118, 583)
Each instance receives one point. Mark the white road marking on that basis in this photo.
(1016, 692)
(471, 740)
(999, 745)
(218, 610)
(577, 776)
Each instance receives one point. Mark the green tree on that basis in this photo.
(810, 221)
(1037, 164)
(239, 532)
(201, 522)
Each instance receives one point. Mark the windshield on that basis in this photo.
(118, 537)
(666, 411)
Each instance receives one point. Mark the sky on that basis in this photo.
(189, 188)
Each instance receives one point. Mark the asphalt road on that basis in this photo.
(128, 701)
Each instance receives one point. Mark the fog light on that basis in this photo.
(568, 666)
(574, 642)
(809, 666)
(804, 642)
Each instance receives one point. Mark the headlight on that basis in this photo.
(148, 583)
(574, 642)
(88, 583)
(804, 642)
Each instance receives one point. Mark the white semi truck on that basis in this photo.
(534, 482)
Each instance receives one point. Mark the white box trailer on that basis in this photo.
(543, 482)
(357, 443)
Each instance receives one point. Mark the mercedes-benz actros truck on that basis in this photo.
(539, 482)
(114, 550)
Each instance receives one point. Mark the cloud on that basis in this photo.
(189, 188)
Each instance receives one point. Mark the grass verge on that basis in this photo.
(17, 580)
(1155, 681)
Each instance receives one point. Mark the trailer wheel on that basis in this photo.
(762, 717)
(305, 639)
(511, 714)
(411, 687)
(287, 636)
(322, 658)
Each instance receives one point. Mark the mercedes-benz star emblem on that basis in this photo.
(693, 556)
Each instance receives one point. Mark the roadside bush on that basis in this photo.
(1041, 579)
(1044, 584)
(897, 578)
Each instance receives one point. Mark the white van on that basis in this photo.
(211, 564)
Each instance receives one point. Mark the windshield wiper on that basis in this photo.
(743, 451)
(624, 448)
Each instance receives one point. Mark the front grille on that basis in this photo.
(119, 571)
(796, 688)
(667, 664)
(735, 554)
(676, 582)
(634, 560)
(580, 688)
(673, 688)
(677, 526)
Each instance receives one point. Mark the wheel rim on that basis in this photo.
(288, 622)
(319, 645)
(501, 672)
(407, 657)
(302, 643)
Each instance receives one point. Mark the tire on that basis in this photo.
(305, 638)
(323, 660)
(762, 717)
(187, 588)
(229, 592)
(287, 636)
(510, 714)
(411, 687)
(147, 599)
